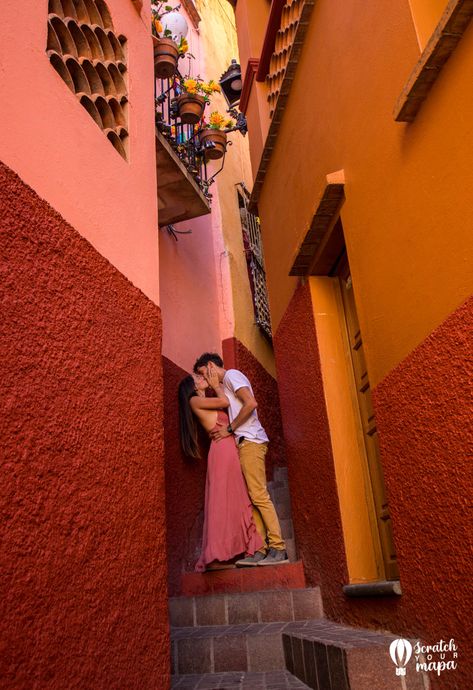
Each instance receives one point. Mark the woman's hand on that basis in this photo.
(212, 378)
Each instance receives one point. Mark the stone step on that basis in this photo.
(281, 577)
(252, 607)
(322, 654)
(271, 680)
(328, 656)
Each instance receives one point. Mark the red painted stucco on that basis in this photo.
(265, 387)
(185, 487)
(424, 409)
(83, 554)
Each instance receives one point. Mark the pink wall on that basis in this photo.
(195, 290)
(189, 295)
(49, 139)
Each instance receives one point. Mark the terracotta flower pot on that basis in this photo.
(218, 138)
(191, 108)
(166, 54)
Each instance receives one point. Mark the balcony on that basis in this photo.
(183, 179)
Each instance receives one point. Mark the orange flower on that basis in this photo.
(190, 85)
(216, 120)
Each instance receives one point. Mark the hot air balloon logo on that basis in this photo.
(400, 651)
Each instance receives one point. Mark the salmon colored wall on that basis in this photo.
(189, 293)
(251, 17)
(426, 15)
(409, 246)
(49, 139)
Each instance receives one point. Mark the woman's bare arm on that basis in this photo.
(198, 403)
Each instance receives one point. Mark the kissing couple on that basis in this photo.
(239, 516)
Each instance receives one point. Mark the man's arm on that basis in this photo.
(248, 405)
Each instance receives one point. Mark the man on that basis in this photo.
(252, 446)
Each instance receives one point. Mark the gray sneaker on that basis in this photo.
(275, 557)
(250, 561)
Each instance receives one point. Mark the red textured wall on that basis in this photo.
(265, 388)
(83, 575)
(424, 411)
(185, 487)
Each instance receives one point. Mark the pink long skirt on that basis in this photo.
(229, 528)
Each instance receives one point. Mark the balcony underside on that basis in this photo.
(179, 195)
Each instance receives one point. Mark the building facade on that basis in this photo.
(361, 180)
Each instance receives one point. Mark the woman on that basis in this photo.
(229, 529)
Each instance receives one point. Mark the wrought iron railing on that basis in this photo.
(183, 138)
(253, 246)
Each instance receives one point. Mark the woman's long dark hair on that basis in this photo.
(187, 422)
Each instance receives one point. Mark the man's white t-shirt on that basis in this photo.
(251, 429)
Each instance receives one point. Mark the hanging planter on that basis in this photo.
(219, 140)
(166, 55)
(190, 107)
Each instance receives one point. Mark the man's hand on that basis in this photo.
(220, 432)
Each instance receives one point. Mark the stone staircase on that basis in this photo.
(262, 629)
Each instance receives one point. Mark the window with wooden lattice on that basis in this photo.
(255, 262)
(90, 57)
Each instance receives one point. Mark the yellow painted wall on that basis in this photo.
(426, 15)
(409, 187)
(219, 42)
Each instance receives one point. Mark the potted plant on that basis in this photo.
(169, 29)
(193, 97)
(213, 135)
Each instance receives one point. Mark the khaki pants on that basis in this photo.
(252, 457)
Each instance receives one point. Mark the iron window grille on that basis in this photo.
(253, 248)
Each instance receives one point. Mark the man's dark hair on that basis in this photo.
(206, 358)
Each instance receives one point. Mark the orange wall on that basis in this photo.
(111, 202)
(251, 17)
(426, 15)
(409, 243)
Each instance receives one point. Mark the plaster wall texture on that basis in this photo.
(51, 141)
(83, 580)
(408, 186)
(423, 411)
